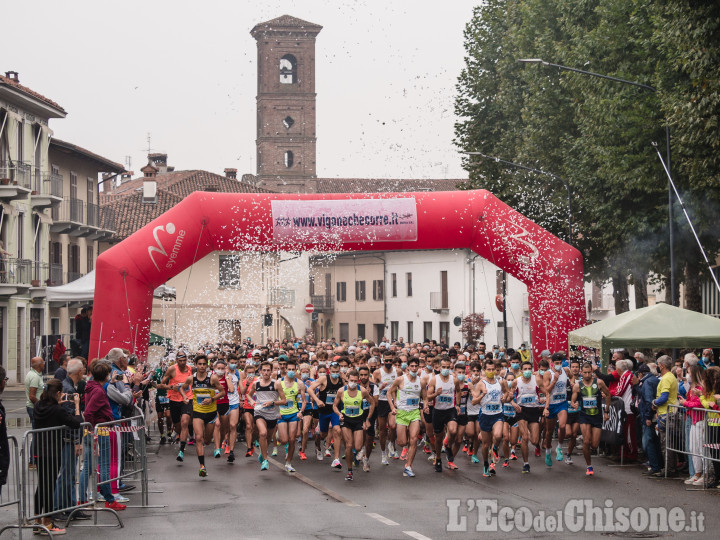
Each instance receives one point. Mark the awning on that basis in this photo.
(83, 289)
(156, 339)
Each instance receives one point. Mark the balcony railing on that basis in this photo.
(69, 210)
(72, 276)
(16, 271)
(439, 301)
(16, 171)
(52, 185)
(93, 215)
(56, 274)
(280, 296)
(322, 302)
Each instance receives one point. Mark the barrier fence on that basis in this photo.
(57, 472)
(695, 434)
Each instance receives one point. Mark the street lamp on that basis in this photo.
(538, 171)
(667, 151)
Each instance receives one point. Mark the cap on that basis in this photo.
(558, 356)
(545, 353)
(643, 368)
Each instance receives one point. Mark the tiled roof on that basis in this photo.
(24, 89)
(132, 214)
(109, 166)
(285, 21)
(384, 185)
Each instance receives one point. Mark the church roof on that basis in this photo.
(285, 22)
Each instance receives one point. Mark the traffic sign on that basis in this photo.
(309, 308)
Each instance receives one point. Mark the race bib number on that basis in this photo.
(589, 402)
(413, 402)
(528, 400)
(383, 392)
(163, 400)
(508, 409)
(463, 409)
(352, 411)
(365, 404)
(330, 399)
(444, 398)
(492, 408)
(288, 405)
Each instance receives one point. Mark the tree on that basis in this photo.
(473, 327)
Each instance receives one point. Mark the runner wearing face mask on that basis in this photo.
(348, 407)
(526, 402)
(404, 399)
(323, 391)
(370, 416)
(445, 390)
(490, 393)
(472, 430)
(462, 418)
(234, 401)
(432, 368)
(384, 378)
(556, 382)
(289, 412)
(310, 414)
(222, 426)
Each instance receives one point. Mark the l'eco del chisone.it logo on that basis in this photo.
(168, 229)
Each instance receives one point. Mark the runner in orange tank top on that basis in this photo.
(180, 412)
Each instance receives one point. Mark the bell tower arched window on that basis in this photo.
(289, 159)
(288, 69)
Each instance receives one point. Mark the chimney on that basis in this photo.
(149, 192)
(149, 171)
(13, 76)
(159, 160)
(126, 176)
(231, 173)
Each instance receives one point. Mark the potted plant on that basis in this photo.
(4, 181)
(35, 282)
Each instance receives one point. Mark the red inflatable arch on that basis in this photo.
(127, 274)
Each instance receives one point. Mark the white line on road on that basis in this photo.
(416, 535)
(381, 519)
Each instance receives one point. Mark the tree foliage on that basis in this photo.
(596, 134)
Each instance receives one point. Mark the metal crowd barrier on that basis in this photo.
(11, 494)
(700, 443)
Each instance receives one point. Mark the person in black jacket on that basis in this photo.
(4, 446)
(49, 413)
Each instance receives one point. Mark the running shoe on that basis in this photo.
(318, 454)
(163, 440)
(356, 461)
(264, 466)
(391, 449)
(203, 473)
(217, 453)
(506, 464)
(427, 449)
(327, 451)
(569, 460)
(287, 445)
(431, 457)
(349, 476)
(260, 458)
(438, 465)
(526, 468)
(336, 464)
(191, 442)
(548, 460)
(404, 453)
(231, 457)
(257, 444)
(495, 454)
(366, 465)
(274, 451)
(384, 459)
(474, 459)
(289, 468)
(559, 453)
(465, 448)
(361, 453)
(223, 445)
(443, 450)
(492, 469)
(537, 451)
(589, 471)
(181, 456)
(407, 471)
(121, 499)
(227, 448)
(302, 455)
(451, 465)
(486, 472)
(250, 452)
(513, 455)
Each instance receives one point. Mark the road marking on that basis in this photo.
(416, 535)
(381, 519)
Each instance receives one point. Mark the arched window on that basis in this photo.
(288, 69)
(289, 159)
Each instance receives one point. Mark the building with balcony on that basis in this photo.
(76, 221)
(27, 190)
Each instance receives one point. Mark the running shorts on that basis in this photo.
(178, 409)
(405, 418)
(442, 417)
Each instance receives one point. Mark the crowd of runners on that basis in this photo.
(351, 403)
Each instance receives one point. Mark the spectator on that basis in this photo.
(695, 421)
(33, 388)
(65, 495)
(49, 413)
(709, 400)
(665, 396)
(647, 390)
(82, 330)
(622, 388)
(4, 446)
(61, 371)
(97, 411)
(708, 359)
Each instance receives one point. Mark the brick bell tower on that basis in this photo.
(286, 135)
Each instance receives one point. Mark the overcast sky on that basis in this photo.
(186, 73)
